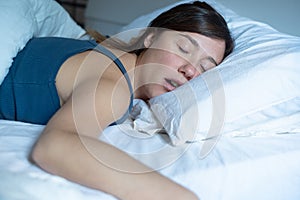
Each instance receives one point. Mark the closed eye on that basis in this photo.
(207, 63)
(202, 68)
(183, 50)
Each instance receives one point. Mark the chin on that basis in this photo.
(157, 92)
(151, 91)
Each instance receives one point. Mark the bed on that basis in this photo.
(235, 137)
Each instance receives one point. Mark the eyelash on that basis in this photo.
(182, 49)
(202, 68)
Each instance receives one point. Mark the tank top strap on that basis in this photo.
(113, 57)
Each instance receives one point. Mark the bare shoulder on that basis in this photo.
(95, 93)
(89, 65)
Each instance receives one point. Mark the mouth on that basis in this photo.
(171, 84)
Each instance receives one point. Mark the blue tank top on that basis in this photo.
(28, 92)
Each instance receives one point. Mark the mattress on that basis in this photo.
(249, 166)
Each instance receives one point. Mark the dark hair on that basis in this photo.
(196, 17)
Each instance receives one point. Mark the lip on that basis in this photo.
(169, 84)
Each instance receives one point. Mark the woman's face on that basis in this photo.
(172, 59)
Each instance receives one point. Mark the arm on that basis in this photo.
(70, 149)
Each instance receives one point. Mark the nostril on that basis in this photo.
(189, 71)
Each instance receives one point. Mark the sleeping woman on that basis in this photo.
(77, 88)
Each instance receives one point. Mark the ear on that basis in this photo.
(148, 40)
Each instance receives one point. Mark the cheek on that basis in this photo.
(218, 51)
(169, 60)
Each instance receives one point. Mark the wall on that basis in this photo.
(282, 15)
(107, 16)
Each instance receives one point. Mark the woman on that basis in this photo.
(76, 90)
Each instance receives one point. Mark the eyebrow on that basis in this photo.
(192, 40)
(195, 43)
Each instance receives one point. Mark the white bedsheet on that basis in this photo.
(264, 166)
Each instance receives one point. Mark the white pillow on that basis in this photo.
(20, 20)
(257, 83)
(53, 20)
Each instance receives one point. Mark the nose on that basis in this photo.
(189, 71)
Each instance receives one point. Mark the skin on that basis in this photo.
(184, 57)
(69, 147)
